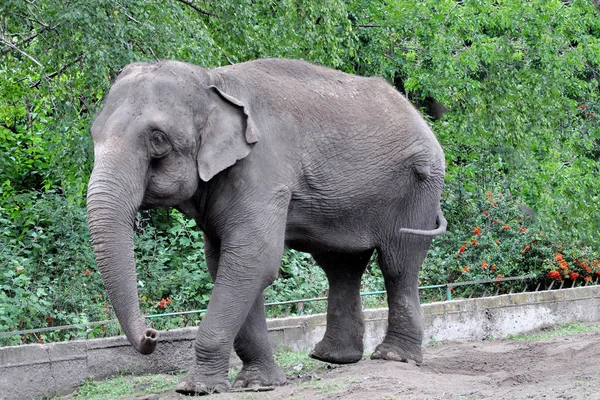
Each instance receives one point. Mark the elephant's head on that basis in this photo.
(163, 131)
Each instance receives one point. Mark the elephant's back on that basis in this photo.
(319, 102)
(341, 128)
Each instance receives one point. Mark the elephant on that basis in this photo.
(264, 155)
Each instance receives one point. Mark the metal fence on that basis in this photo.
(470, 290)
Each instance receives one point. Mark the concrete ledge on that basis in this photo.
(33, 371)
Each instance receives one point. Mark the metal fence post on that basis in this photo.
(449, 292)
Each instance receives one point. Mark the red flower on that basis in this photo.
(484, 264)
(497, 242)
(582, 107)
(527, 247)
(523, 230)
(587, 278)
(506, 227)
(466, 268)
(499, 277)
(554, 274)
(574, 275)
(462, 249)
(103, 328)
(558, 257)
(88, 272)
(476, 231)
(162, 303)
(20, 271)
(493, 268)
(49, 319)
(563, 265)
(474, 242)
(485, 213)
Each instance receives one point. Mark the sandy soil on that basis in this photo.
(566, 367)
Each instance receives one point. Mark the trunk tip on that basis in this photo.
(148, 341)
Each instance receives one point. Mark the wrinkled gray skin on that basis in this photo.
(267, 154)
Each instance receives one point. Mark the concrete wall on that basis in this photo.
(32, 371)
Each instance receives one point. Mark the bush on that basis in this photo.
(501, 237)
(47, 276)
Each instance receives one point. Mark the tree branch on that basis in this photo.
(195, 7)
(55, 73)
(12, 46)
(130, 17)
(25, 40)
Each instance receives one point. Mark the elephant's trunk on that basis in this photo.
(114, 196)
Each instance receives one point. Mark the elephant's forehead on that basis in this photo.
(146, 96)
(142, 88)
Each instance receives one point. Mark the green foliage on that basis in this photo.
(47, 278)
(300, 278)
(171, 266)
(519, 80)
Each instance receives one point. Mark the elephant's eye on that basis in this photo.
(160, 144)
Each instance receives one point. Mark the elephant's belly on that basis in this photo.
(318, 236)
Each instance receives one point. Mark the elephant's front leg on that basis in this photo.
(246, 265)
(251, 343)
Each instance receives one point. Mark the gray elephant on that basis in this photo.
(263, 155)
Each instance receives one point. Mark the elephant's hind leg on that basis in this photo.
(343, 340)
(400, 261)
(253, 348)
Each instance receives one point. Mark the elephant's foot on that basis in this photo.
(259, 377)
(402, 353)
(337, 351)
(197, 384)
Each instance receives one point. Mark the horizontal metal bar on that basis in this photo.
(280, 303)
(176, 313)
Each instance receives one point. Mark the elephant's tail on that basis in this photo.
(441, 222)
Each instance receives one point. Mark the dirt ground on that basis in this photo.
(566, 367)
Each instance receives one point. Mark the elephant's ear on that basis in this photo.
(227, 136)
